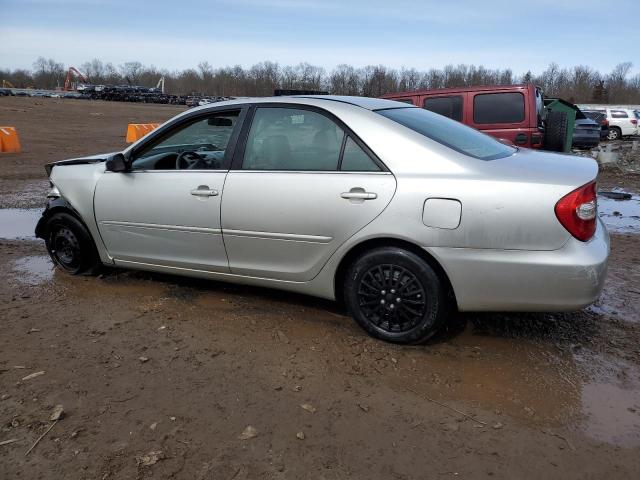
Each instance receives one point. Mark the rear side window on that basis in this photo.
(619, 114)
(354, 159)
(505, 107)
(597, 116)
(448, 106)
(292, 139)
(450, 133)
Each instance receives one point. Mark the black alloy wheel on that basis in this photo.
(392, 298)
(395, 295)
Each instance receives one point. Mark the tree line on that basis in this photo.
(579, 84)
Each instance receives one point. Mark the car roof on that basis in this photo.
(367, 103)
(364, 102)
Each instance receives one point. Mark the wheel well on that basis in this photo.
(63, 208)
(367, 245)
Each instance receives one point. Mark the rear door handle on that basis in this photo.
(359, 195)
(204, 191)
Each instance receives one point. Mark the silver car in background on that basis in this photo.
(401, 213)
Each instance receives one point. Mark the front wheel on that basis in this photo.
(70, 245)
(396, 296)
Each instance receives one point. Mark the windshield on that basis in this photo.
(450, 133)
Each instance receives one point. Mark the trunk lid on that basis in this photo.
(513, 207)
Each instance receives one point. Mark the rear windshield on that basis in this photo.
(450, 133)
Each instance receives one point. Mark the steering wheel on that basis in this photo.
(188, 160)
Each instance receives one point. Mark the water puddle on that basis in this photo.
(613, 414)
(33, 270)
(620, 216)
(18, 223)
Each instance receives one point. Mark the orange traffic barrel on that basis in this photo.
(9, 141)
(135, 131)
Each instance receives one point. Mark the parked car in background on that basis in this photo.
(601, 118)
(515, 113)
(586, 133)
(5, 92)
(400, 213)
(623, 122)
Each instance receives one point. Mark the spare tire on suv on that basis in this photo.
(555, 133)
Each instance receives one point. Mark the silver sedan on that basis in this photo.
(402, 214)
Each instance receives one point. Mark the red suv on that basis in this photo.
(509, 112)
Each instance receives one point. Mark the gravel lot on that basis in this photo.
(160, 377)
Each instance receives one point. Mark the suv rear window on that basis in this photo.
(449, 133)
(448, 106)
(505, 107)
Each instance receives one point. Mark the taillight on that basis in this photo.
(577, 211)
(634, 121)
(605, 123)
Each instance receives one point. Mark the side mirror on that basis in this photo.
(116, 163)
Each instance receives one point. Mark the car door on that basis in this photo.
(166, 209)
(299, 187)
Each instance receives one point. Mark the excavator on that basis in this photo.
(68, 85)
(7, 84)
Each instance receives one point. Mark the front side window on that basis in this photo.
(505, 107)
(450, 133)
(292, 139)
(198, 145)
(619, 114)
(450, 107)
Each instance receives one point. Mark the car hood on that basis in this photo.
(102, 157)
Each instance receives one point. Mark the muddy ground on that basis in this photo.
(159, 376)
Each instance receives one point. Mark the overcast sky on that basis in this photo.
(178, 34)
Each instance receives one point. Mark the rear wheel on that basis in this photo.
(555, 135)
(70, 245)
(614, 133)
(396, 296)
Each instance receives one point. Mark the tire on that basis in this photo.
(555, 134)
(70, 245)
(394, 295)
(614, 133)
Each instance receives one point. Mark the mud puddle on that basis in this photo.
(18, 223)
(620, 216)
(612, 413)
(33, 270)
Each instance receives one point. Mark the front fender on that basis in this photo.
(58, 204)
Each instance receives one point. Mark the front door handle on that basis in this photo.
(204, 191)
(359, 195)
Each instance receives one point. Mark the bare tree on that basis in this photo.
(577, 84)
(131, 71)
